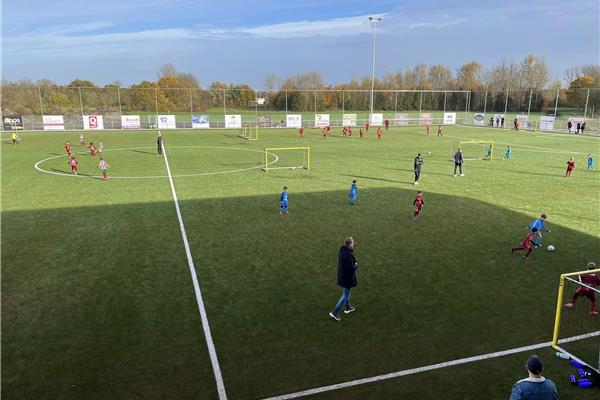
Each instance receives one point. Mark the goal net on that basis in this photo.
(286, 158)
(249, 132)
(474, 149)
(577, 324)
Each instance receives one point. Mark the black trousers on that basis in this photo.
(459, 166)
(159, 147)
(417, 174)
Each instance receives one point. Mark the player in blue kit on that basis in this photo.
(590, 162)
(353, 193)
(540, 228)
(283, 210)
(508, 153)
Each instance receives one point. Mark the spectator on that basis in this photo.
(535, 387)
(492, 121)
(346, 278)
(502, 122)
(582, 127)
(578, 127)
(569, 126)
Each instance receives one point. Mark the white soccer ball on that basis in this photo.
(551, 248)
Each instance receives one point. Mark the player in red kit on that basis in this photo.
(366, 126)
(379, 132)
(73, 163)
(92, 150)
(418, 203)
(570, 167)
(591, 281)
(387, 124)
(349, 131)
(68, 148)
(527, 243)
(301, 131)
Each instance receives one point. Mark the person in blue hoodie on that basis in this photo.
(353, 193)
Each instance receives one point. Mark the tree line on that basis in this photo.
(178, 91)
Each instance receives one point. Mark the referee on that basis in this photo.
(159, 144)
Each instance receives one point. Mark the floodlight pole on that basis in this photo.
(374, 21)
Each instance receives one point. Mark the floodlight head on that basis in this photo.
(374, 19)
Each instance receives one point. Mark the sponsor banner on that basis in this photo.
(479, 119)
(293, 121)
(523, 121)
(200, 121)
(53, 123)
(166, 122)
(426, 119)
(376, 120)
(349, 120)
(547, 123)
(12, 122)
(92, 122)
(401, 119)
(321, 120)
(497, 122)
(233, 121)
(264, 121)
(130, 122)
(450, 118)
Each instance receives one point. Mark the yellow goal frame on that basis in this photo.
(559, 308)
(270, 150)
(249, 132)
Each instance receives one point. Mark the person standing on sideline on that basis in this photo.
(458, 162)
(159, 143)
(14, 137)
(346, 278)
(417, 167)
(353, 192)
(439, 131)
(535, 387)
(590, 164)
(569, 126)
(578, 128)
(508, 153)
(582, 127)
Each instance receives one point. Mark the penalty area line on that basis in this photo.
(205, 326)
(426, 368)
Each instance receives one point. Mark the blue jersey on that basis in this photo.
(539, 224)
(508, 151)
(353, 190)
(590, 161)
(284, 197)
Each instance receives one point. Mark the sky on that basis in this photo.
(242, 41)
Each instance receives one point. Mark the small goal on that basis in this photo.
(287, 158)
(249, 132)
(474, 150)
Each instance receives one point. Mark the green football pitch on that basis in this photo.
(98, 301)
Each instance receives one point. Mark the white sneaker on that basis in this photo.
(455, 175)
(332, 315)
(416, 183)
(462, 174)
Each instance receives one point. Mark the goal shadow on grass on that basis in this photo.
(107, 304)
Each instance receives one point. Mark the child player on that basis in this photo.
(103, 167)
(366, 126)
(361, 133)
(100, 148)
(591, 281)
(541, 228)
(301, 131)
(353, 192)
(379, 132)
(527, 243)
(92, 150)
(418, 203)
(508, 153)
(590, 161)
(570, 167)
(81, 141)
(283, 210)
(68, 148)
(439, 132)
(73, 163)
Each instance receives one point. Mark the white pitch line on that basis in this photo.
(412, 371)
(205, 326)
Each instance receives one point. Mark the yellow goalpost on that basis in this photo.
(249, 132)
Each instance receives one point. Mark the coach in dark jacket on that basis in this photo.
(346, 278)
(417, 167)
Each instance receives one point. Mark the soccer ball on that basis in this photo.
(551, 248)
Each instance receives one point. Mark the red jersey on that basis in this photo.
(367, 126)
(68, 148)
(92, 149)
(419, 201)
(379, 131)
(571, 164)
(386, 122)
(349, 131)
(73, 162)
(592, 280)
(527, 242)
(301, 131)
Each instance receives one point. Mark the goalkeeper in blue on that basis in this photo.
(353, 193)
(283, 209)
(541, 228)
(590, 162)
